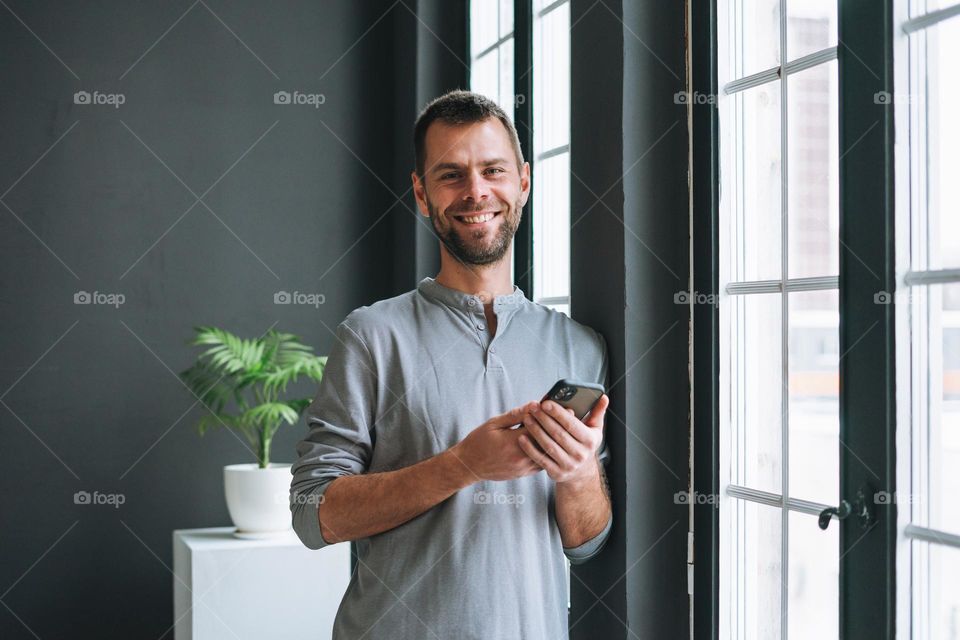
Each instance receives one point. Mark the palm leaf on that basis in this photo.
(236, 368)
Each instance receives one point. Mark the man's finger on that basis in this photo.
(510, 418)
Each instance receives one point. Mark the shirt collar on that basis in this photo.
(432, 289)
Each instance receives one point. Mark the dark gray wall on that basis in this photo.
(630, 249)
(89, 392)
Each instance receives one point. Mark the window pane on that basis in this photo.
(506, 99)
(811, 26)
(938, 425)
(814, 396)
(552, 77)
(936, 597)
(551, 227)
(751, 183)
(484, 78)
(749, 33)
(813, 189)
(943, 143)
(506, 17)
(814, 570)
(919, 7)
(756, 391)
(752, 568)
(483, 25)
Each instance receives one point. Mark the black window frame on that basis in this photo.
(867, 589)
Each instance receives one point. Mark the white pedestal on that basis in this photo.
(234, 589)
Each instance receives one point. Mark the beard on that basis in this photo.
(473, 247)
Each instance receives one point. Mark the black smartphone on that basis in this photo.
(579, 396)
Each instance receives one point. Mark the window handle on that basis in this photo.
(860, 508)
(842, 512)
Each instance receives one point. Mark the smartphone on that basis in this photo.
(579, 396)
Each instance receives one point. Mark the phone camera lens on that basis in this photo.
(566, 393)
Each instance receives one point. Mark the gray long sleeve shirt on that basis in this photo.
(406, 379)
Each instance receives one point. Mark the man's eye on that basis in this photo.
(498, 169)
(447, 175)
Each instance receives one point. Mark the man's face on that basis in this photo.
(471, 172)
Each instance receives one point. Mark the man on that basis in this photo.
(461, 529)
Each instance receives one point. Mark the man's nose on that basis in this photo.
(476, 189)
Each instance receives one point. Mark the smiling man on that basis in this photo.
(461, 522)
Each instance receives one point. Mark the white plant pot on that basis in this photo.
(258, 499)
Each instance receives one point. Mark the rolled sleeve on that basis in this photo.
(603, 377)
(340, 435)
(590, 548)
(593, 546)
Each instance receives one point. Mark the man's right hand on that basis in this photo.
(491, 451)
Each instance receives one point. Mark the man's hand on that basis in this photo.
(563, 445)
(490, 451)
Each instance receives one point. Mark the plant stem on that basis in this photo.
(264, 450)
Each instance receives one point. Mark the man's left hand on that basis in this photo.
(562, 444)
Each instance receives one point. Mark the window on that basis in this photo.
(497, 72)
(491, 51)
(927, 47)
(551, 154)
(779, 317)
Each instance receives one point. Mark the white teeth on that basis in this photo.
(482, 218)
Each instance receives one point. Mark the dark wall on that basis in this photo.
(97, 198)
(630, 252)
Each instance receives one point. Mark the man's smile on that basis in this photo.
(476, 220)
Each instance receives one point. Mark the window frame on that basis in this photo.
(868, 559)
(915, 358)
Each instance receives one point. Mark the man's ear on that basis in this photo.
(524, 184)
(419, 192)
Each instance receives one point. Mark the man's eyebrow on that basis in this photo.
(443, 166)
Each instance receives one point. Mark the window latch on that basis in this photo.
(860, 508)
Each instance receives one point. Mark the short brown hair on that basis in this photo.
(459, 107)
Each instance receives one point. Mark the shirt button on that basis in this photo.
(479, 325)
(492, 350)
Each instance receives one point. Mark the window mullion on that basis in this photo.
(784, 337)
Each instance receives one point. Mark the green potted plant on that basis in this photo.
(241, 383)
